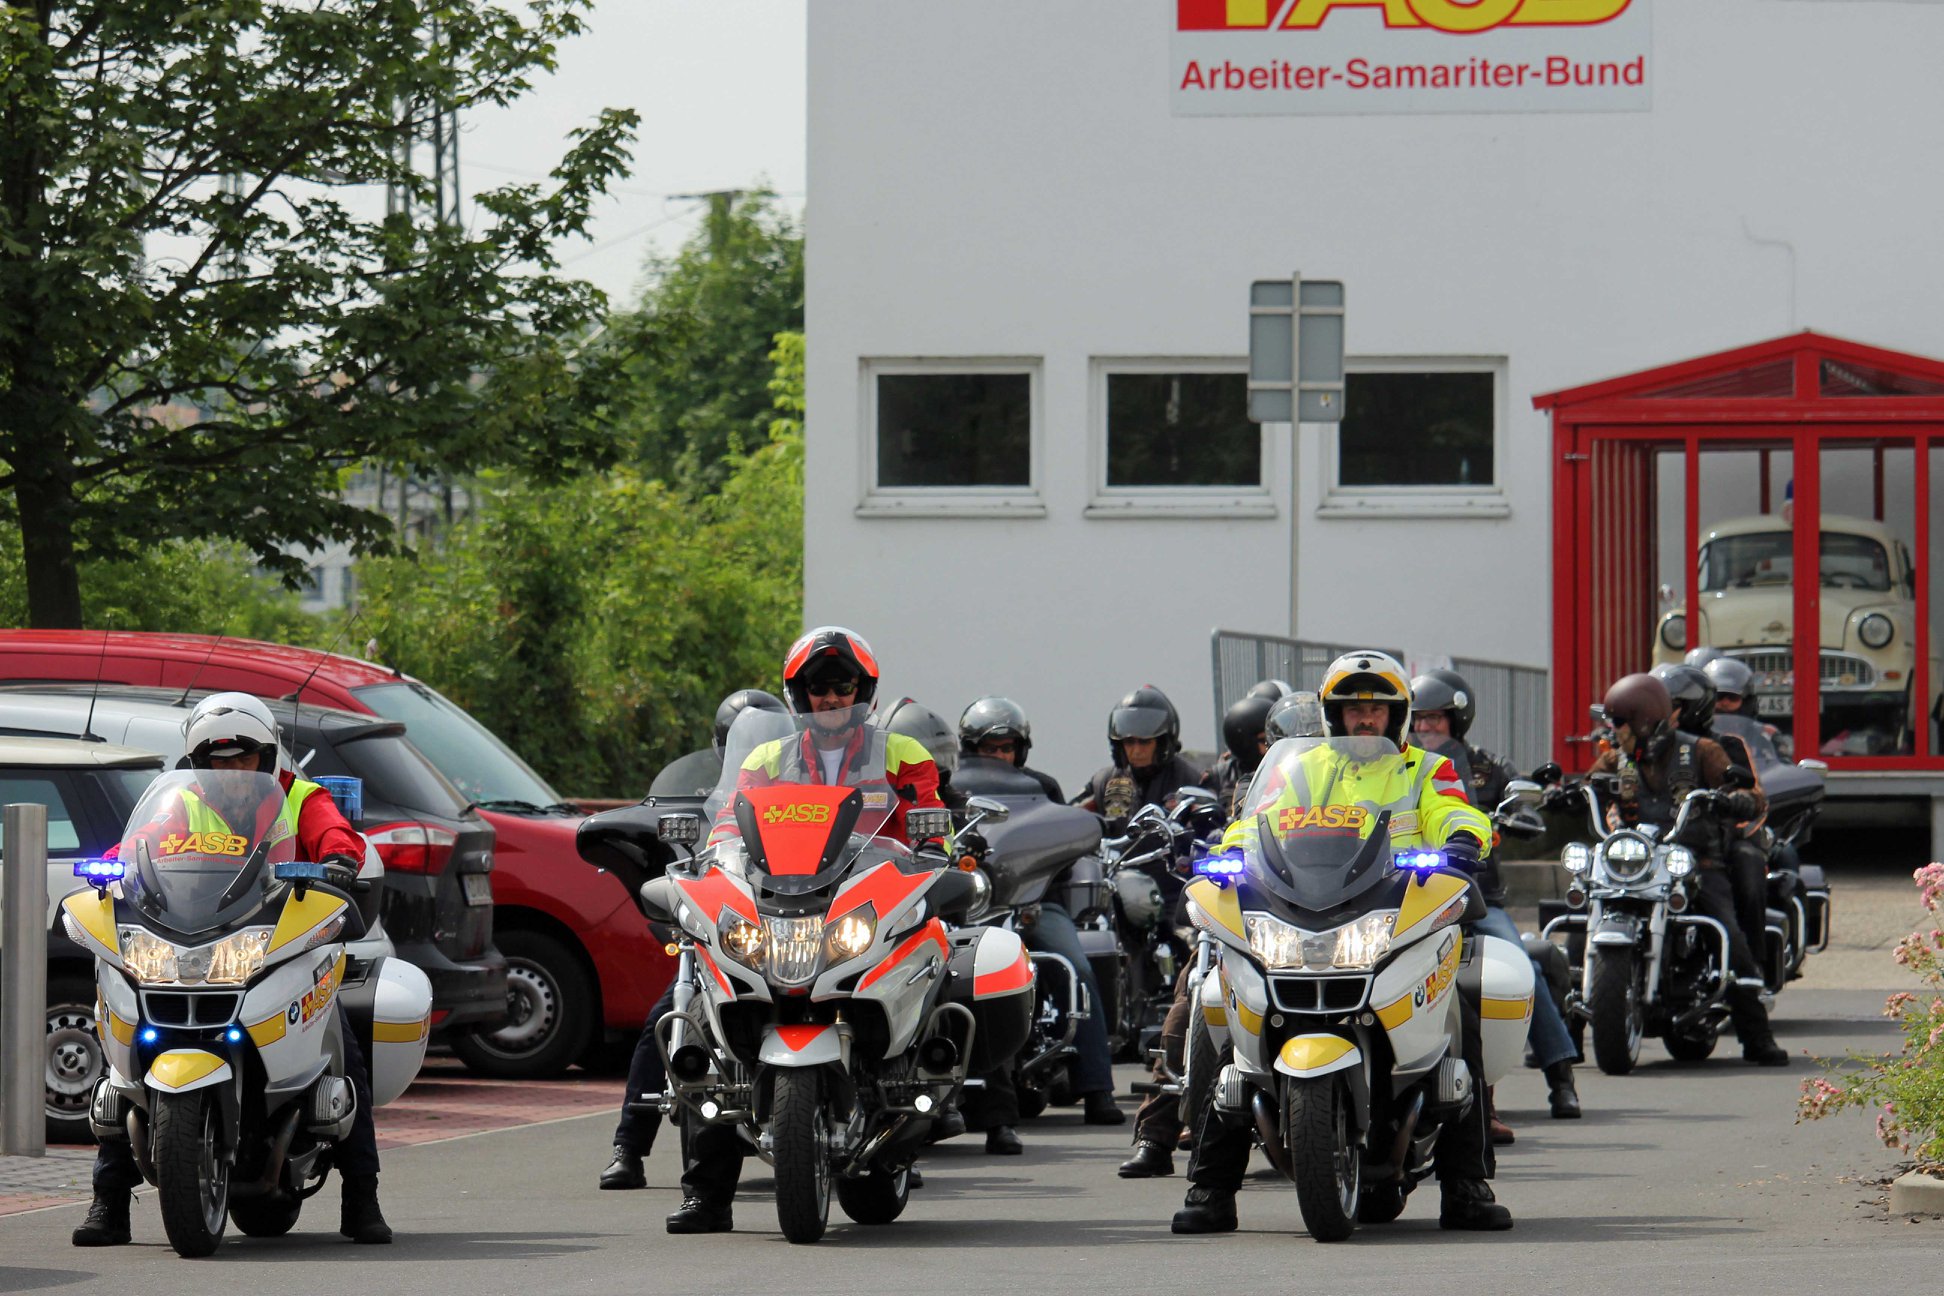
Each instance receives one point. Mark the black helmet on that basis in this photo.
(1732, 675)
(996, 717)
(737, 703)
(1300, 715)
(1274, 690)
(829, 651)
(1692, 692)
(1447, 691)
(1145, 713)
(1242, 725)
(928, 727)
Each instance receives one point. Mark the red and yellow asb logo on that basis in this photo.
(1459, 16)
(798, 813)
(206, 843)
(1332, 816)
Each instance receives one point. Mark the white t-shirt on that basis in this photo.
(832, 762)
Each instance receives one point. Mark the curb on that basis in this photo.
(1917, 1193)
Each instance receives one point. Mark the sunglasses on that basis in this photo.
(836, 688)
(998, 746)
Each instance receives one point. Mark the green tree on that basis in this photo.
(699, 345)
(203, 316)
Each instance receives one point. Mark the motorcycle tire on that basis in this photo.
(876, 1198)
(1382, 1203)
(1617, 1024)
(1324, 1159)
(1696, 1047)
(550, 1012)
(801, 1130)
(191, 1175)
(266, 1216)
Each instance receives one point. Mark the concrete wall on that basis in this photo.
(1005, 180)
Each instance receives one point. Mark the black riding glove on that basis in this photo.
(341, 870)
(1464, 851)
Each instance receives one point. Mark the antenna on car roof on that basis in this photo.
(297, 695)
(101, 663)
(196, 675)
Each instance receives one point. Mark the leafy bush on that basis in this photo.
(1906, 1090)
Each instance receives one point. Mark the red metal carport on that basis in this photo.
(1797, 404)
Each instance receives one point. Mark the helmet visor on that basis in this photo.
(1137, 722)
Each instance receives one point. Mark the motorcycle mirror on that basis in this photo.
(1523, 792)
(1548, 774)
(1524, 824)
(1194, 794)
(1811, 763)
(993, 809)
(1739, 778)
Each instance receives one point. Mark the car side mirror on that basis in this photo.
(993, 809)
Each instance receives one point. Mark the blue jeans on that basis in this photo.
(1053, 932)
(1547, 1034)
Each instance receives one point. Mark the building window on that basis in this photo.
(951, 436)
(1172, 437)
(1418, 437)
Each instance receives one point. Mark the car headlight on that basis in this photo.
(1680, 861)
(1674, 631)
(236, 959)
(744, 941)
(147, 956)
(1628, 858)
(852, 934)
(1876, 630)
(1361, 943)
(1576, 858)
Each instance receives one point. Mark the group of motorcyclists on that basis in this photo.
(1671, 731)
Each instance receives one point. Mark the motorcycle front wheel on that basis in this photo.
(801, 1132)
(191, 1174)
(1616, 1012)
(1323, 1156)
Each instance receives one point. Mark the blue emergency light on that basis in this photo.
(1426, 860)
(148, 1035)
(233, 1035)
(299, 871)
(100, 871)
(1220, 865)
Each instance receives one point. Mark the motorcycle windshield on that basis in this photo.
(201, 847)
(1322, 837)
(801, 796)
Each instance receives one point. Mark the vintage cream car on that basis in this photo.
(1868, 591)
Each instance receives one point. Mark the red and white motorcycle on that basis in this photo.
(825, 1007)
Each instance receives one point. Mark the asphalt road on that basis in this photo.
(1677, 1175)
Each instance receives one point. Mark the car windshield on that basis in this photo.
(800, 796)
(462, 749)
(1767, 559)
(201, 847)
(1320, 837)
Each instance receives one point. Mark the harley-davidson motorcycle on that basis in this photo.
(225, 994)
(1337, 989)
(826, 1008)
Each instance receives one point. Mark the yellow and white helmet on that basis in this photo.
(1367, 676)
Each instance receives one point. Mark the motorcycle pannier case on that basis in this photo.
(993, 976)
(391, 1009)
(1505, 1005)
(1034, 845)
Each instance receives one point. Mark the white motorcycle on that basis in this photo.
(224, 992)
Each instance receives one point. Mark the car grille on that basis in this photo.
(794, 947)
(1775, 668)
(1330, 994)
(165, 1009)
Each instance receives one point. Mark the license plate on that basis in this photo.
(479, 888)
(1774, 706)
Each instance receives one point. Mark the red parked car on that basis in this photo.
(580, 962)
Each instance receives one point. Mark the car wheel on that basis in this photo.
(74, 1058)
(549, 1012)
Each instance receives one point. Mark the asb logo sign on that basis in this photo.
(1289, 57)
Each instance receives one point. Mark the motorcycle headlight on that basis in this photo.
(1628, 858)
(981, 894)
(148, 957)
(795, 948)
(1680, 861)
(1277, 943)
(1876, 630)
(1361, 943)
(1576, 858)
(235, 959)
(852, 934)
(744, 941)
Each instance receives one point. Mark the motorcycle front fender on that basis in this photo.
(1614, 930)
(803, 1046)
(184, 1070)
(1308, 1056)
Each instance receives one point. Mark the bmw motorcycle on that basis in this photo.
(1337, 990)
(831, 1011)
(225, 996)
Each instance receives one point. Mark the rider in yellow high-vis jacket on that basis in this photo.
(1365, 695)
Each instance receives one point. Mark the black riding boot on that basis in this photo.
(1752, 1027)
(359, 1217)
(107, 1222)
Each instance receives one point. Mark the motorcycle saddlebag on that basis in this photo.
(992, 975)
(1032, 846)
(390, 1008)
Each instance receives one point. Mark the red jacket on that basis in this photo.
(322, 830)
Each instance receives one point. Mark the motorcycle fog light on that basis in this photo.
(1576, 857)
(923, 1102)
(1680, 861)
(711, 1109)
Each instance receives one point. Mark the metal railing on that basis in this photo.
(1513, 719)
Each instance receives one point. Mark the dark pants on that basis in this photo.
(1052, 932)
(646, 1074)
(996, 1103)
(357, 1155)
(1748, 878)
(1714, 897)
(713, 1165)
(1159, 1119)
(1463, 1150)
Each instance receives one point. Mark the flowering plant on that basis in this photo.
(1905, 1089)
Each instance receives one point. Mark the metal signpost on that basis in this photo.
(23, 983)
(1296, 350)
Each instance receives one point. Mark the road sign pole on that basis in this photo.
(23, 983)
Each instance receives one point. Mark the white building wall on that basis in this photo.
(1005, 179)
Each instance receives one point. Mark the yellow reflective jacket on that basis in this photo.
(1422, 791)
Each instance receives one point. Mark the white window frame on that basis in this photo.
(949, 501)
(1340, 501)
(1183, 502)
